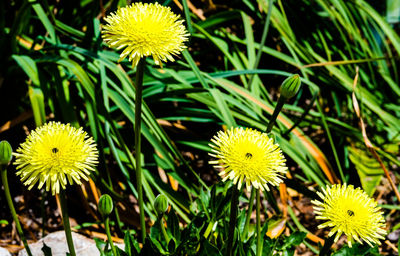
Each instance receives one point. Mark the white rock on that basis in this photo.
(4, 252)
(59, 247)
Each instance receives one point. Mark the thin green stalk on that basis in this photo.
(262, 43)
(258, 224)
(65, 218)
(187, 16)
(248, 216)
(120, 224)
(3, 171)
(303, 115)
(138, 119)
(278, 108)
(232, 220)
(328, 134)
(43, 212)
(164, 232)
(110, 241)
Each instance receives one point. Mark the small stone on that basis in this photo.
(394, 236)
(4, 252)
(57, 242)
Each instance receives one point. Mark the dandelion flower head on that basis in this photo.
(145, 29)
(250, 156)
(54, 154)
(351, 212)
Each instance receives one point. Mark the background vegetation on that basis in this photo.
(55, 66)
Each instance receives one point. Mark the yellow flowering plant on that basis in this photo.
(248, 156)
(239, 190)
(55, 154)
(142, 30)
(350, 211)
(145, 30)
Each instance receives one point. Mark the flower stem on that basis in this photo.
(248, 216)
(107, 226)
(164, 232)
(65, 218)
(258, 224)
(232, 220)
(138, 119)
(278, 108)
(327, 246)
(3, 171)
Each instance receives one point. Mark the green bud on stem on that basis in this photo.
(105, 205)
(5, 153)
(290, 86)
(161, 204)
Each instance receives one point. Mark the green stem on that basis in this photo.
(306, 110)
(278, 108)
(258, 224)
(187, 16)
(107, 225)
(138, 119)
(164, 232)
(3, 171)
(43, 212)
(262, 43)
(327, 246)
(65, 218)
(232, 220)
(328, 134)
(249, 211)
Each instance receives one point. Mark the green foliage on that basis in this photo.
(55, 63)
(46, 250)
(358, 249)
(191, 241)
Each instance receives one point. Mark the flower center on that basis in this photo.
(54, 150)
(249, 155)
(350, 213)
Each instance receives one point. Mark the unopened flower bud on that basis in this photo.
(161, 204)
(5, 153)
(105, 205)
(290, 86)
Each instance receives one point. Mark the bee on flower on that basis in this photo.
(350, 211)
(248, 156)
(55, 154)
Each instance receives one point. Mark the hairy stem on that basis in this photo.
(138, 119)
(258, 224)
(232, 220)
(3, 171)
(65, 218)
(110, 241)
(248, 216)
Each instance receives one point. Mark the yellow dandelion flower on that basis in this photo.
(54, 154)
(250, 156)
(143, 30)
(351, 212)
